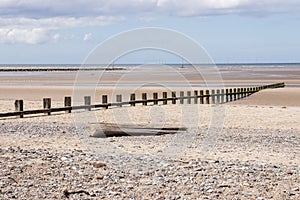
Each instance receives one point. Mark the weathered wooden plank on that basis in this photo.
(114, 130)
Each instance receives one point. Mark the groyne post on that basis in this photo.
(201, 97)
(155, 97)
(68, 103)
(174, 97)
(87, 102)
(213, 100)
(119, 99)
(19, 107)
(47, 104)
(144, 98)
(195, 96)
(165, 96)
(207, 96)
(105, 100)
(189, 100)
(181, 97)
(132, 99)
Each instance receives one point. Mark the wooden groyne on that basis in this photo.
(217, 96)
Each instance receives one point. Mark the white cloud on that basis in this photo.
(29, 36)
(87, 37)
(32, 21)
(58, 22)
(56, 37)
(34, 31)
(217, 7)
(92, 8)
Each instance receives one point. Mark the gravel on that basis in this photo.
(31, 172)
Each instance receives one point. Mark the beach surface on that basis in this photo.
(255, 154)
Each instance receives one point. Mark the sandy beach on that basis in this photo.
(254, 156)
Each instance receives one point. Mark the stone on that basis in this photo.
(99, 177)
(99, 164)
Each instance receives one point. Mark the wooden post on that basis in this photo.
(213, 97)
(165, 95)
(234, 94)
(207, 96)
(231, 95)
(144, 97)
(189, 101)
(222, 96)
(174, 97)
(238, 93)
(47, 104)
(119, 99)
(196, 97)
(201, 97)
(181, 97)
(218, 96)
(227, 96)
(68, 103)
(155, 96)
(132, 98)
(87, 102)
(19, 107)
(104, 100)
(241, 93)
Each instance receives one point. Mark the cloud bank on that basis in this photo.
(31, 21)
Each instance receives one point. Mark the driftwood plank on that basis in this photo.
(110, 130)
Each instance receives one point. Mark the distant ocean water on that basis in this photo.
(275, 71)
(220, 65)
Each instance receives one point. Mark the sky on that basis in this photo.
(231, 31)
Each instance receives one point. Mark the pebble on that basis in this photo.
(99, 164)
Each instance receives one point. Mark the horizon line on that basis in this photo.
(220, 63)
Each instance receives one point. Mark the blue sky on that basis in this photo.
(232, 31)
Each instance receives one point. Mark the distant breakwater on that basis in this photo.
(57, 69)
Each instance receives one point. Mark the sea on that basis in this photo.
(239, 71)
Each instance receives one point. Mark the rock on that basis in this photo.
(99, 164)
(121, 175)
(99, 177)
(224, 185)
(209, 191)
(64, 158)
